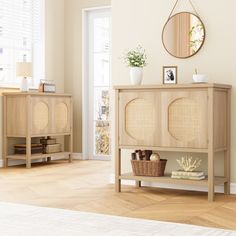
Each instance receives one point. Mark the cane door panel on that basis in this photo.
(61, 115)
(41, 115)
(184, 118)
(138, 117)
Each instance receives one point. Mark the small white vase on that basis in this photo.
(136, 75)
(24, 85)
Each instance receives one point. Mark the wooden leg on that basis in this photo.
(211, 185)
(227, 152)
(28, 163)
(5, 163)
(71, 148)
(5, 144)
(118, 170)
(227, 172)
(138, 184)
(28, 152)
(49, 159)
(5, 152)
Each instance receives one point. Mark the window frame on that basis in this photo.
(33, 83)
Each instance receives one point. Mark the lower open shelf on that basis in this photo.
(36, 156)
(168, 179)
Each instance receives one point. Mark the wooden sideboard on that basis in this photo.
(31, 115)
(192, 118)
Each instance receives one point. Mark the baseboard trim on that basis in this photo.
(218, 189)
(75, 156)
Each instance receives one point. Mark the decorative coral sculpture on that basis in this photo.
(188, 164)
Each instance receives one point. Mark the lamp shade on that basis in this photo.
(24, 69)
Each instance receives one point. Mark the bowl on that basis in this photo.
(199, 78)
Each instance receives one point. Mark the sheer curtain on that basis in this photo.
(21, 39)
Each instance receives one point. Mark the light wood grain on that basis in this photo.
(186, 118)
(16, 116)
(84, 186)
(139, 118)
(116, 145)
(41, 115)
(228, 145)
(71, 130)
(37, 156)
(35, 94)
(172, 86)
(4, 124)
(167, 149)
(31, 114)
(167, 179)
(28, 131)
(220, 118)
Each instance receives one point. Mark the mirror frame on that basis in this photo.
(202, 41)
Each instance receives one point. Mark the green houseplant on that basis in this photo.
(136, 59)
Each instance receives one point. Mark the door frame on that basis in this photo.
(85, 83)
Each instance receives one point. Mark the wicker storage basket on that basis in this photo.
(53, 148)
(149, 168)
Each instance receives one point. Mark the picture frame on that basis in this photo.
(170, 74)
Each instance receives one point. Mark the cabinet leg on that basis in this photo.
(70, 157)
(28, 163)
(227, 188)
(118, 185)
(49, 159)
(138, 184)
(28, 152)
(5, 164)
(211, 185)
(227, 172)
(118, 170)
(71, 147)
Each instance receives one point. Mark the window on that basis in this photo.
(21, 39)
(97, 79)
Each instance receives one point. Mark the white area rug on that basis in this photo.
(24, 220)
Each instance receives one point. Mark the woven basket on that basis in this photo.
(149, 168)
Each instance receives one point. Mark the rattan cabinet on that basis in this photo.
(179, 118)
(31, 115)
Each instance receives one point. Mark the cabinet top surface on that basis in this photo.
(35, 94)
(173, 86)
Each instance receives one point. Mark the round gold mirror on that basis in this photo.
(183, 35)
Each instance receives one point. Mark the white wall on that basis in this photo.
(54, 42)
(141, 22)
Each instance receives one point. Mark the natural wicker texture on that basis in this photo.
(53, 148)
(140, 118)
(149, 168)
(40, 115)
(184, 120)
(61, 115)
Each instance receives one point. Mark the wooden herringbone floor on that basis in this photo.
(84, 186)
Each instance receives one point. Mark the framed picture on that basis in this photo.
(170, 74)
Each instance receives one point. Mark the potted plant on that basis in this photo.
(135, 59)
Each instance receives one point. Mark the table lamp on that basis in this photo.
(24, 69)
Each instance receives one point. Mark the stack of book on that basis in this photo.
(194, 175)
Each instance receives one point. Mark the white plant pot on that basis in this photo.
(136, 75)
(198, 78)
